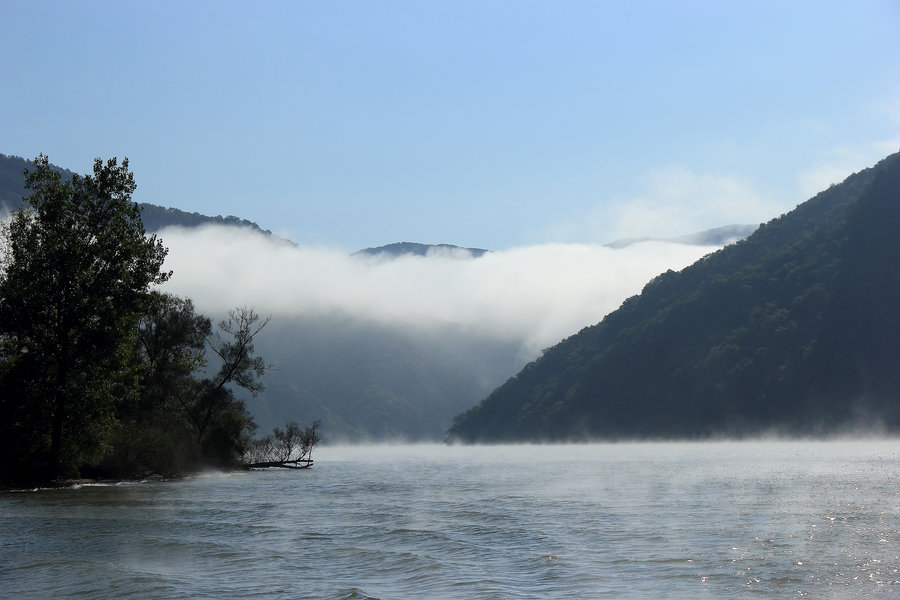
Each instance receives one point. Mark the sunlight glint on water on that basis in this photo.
(715, 520)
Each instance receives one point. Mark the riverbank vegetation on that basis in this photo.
(101, 375)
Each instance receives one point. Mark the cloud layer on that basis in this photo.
(535, 295)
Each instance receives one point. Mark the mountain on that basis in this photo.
(372, 381)
(718, 236)
(12, 190)
(157, 217)
(795, 330)
(411, 248)
(12, 181)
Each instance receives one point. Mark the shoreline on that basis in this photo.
(74, 484)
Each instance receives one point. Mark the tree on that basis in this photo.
(74, 281)
(171, 344)
(179, 420)
(221, 420)
(154, 433)
(239, 366)
(288, 448)
(286, 440)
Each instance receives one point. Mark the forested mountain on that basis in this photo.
(795, 329)
(157, 217)
(154, 218)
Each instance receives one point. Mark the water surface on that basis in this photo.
(705, 520)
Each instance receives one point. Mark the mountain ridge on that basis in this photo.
(398, 249)
(154, 217)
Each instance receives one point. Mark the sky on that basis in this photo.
(490, 123)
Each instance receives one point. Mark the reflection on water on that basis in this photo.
(708, 520)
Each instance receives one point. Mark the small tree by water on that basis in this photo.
(289, 448)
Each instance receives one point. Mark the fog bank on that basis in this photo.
(536, 295)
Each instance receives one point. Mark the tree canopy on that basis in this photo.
(76, 275)
(100, 373)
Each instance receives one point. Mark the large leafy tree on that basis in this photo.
(75, 280)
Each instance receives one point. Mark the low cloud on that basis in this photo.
(535, 295)
(842, 162)
(676, 199)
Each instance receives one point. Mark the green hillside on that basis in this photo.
(795, 329)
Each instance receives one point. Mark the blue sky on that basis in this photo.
(484, 123)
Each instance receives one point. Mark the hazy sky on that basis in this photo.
(481, 123)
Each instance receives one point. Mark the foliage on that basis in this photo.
(75, 279)
(793, 329)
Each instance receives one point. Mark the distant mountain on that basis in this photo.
(795, 329)
(12, 181)
(12, 190)
(370, 381)
(720, 236)
(404, 248)
(156, 218)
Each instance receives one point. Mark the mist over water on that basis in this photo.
(700, 520)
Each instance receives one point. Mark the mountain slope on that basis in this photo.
(157, 217)
(369, 381)
(12, 181)
(12, 190)
(793, 329)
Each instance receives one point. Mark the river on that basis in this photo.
(763, 519)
